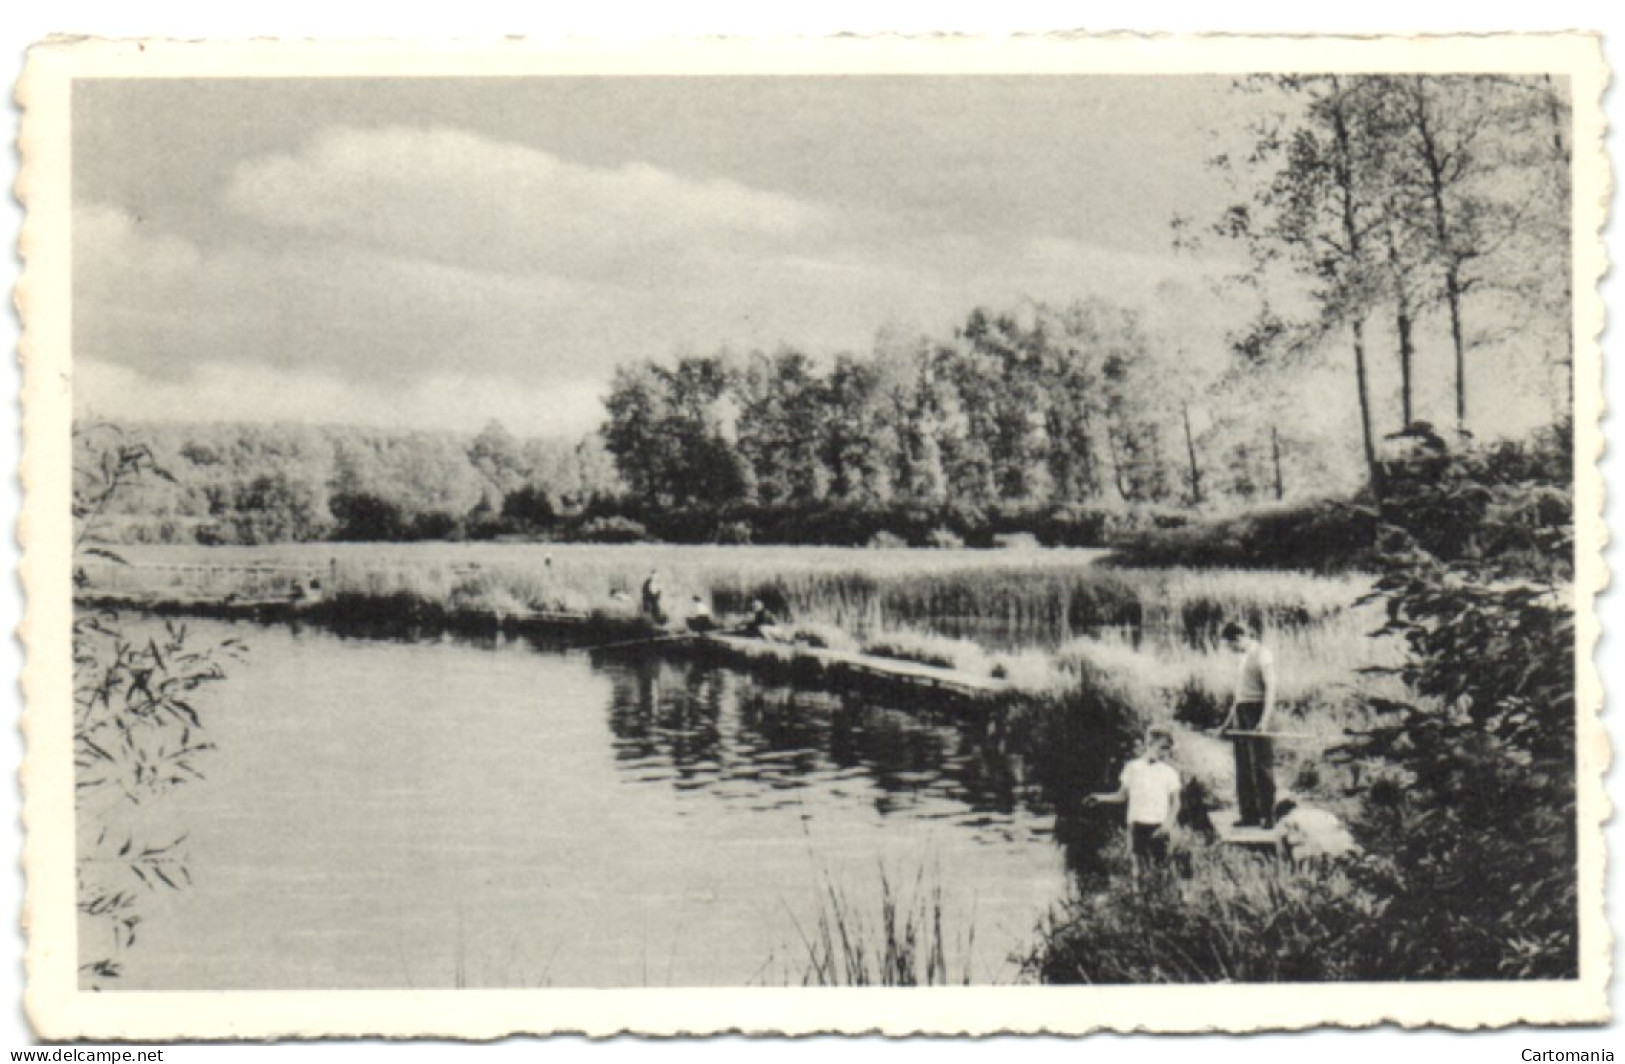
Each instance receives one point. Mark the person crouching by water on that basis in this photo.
(1305, 834)
(1250, 712)
(762, 623)
(699, 616)
(1150, 785)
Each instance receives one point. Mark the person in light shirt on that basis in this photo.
(1150, 786)
(1250, 714)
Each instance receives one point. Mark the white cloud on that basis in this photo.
(437, 400)
(451, 196)
(381, 260)
(169, 307)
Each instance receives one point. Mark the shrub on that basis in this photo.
(529, 507)
(612, 530)
(944, 539)
(1228, 916)
(1325, 536)
(1482, 820)
(734, 533)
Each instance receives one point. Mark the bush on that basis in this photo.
(612, 530)
(1228, 916)
(1476, 581)
(529, 508)
(734, 533)
(364, 517)
(944, 539)
(884, 540)
(1466, 784)
(1325, 536)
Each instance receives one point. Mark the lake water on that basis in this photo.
(443, 812)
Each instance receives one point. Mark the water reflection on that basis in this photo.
(427, 805)
(696, 727)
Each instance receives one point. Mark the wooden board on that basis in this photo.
(890, 668)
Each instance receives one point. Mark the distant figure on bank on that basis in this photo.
(1150, 786)
(762, 623)
(1305, 833)
(699, 616)
(651, 597)
(1251, 711)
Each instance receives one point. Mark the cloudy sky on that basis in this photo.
(437, 252)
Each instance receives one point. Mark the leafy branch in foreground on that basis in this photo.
(137, 734)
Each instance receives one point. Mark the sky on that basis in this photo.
(439, 252)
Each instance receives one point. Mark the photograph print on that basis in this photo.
(542, 528)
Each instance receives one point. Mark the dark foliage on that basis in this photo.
(1478, 810)
(1322, 536)
(1467, 788)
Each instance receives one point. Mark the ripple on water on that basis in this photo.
(639, 810)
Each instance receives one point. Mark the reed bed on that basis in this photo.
(1002, 599)
(897, 942)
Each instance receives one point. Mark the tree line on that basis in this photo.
(1053, 421)
(249, 483)
(1057, 419)
(1397, 241)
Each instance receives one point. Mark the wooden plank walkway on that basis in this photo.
(1224, 823)
(628, 634)
(862, 664)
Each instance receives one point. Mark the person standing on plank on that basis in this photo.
(651, 598)
(1251, 711)
(1150, 786)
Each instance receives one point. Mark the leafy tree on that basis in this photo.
(860, 445)
(1314, 205)
(279, 508)
(783, 405)
(497, 456)
(666, 431)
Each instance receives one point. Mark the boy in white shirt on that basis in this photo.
(1150, 786)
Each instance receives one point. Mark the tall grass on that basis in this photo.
(901, 943)
(1002, 600)
(1231, 917)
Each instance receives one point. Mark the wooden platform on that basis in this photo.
(1224, 823)
(608, 633)
(837, 662)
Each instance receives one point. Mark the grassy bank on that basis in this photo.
(1046, 621)
(1017, 598)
